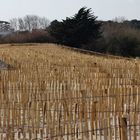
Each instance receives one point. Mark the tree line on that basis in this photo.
(82, 30)
(29, 23)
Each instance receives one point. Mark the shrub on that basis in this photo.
(36, 36)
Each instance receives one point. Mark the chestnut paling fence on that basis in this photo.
(51, 93)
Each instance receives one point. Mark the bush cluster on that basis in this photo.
(36, 36)
(119, 39)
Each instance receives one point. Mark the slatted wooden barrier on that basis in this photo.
(52, 93)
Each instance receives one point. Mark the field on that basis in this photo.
(48, 92)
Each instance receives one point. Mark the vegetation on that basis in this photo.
(119, 39)
(77, 30)
(36, 36)
(83, 30)
(29, 23)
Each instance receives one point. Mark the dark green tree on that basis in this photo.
(77, 30)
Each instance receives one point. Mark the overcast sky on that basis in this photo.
(59, 9)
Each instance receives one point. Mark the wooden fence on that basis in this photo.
(51, 93)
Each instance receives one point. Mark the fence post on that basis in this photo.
(123, 125)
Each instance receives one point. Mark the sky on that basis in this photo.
(60, 9)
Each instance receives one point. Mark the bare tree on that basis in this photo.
(27, 20)
(29, 23)
(14, 24)
(21, 24)
(119, 19)
(35, 22)
(44, 23)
